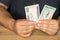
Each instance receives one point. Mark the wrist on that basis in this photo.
(12, 24)
(58, 23)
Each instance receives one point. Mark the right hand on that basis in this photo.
(24, 28)
(48, 26)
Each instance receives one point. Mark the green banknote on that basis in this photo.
(47, 12)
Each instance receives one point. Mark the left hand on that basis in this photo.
(24, 28)
(48, 26)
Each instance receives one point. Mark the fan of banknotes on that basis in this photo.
(33, 12)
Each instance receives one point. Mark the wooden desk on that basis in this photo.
(37, 35)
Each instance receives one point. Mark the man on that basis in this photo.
(12, 16)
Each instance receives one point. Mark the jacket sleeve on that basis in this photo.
(5, 3)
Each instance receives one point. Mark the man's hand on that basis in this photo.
(48, 26)
(24, 28)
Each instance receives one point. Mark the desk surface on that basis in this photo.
(37, 35)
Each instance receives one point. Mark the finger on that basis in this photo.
(51, 32)
(20, 29)
(24, 29)
(43, 21)
(53, 22)
(30, 29)
(40, 26)
(53, 26)
(43, 27)
(53, 29)
(26, 35)
(31, 23)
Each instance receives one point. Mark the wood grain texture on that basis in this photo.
(6, 34)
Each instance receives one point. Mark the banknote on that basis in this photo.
(32, 12)
(47, 12)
